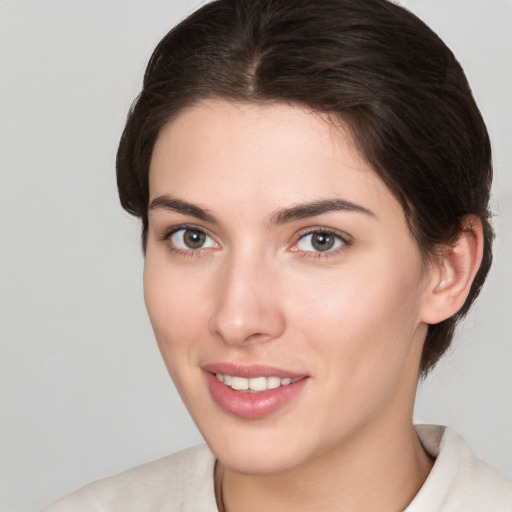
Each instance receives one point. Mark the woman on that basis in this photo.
(313, 183)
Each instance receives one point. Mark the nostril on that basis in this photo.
(256, 336)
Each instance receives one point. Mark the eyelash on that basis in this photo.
(345, 240)
(341, 237)
(166, 237)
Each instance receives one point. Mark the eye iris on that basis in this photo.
(322, 241)
(194, 239)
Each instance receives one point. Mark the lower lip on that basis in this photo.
(252, 405)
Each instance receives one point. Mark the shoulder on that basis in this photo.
(182, 479)
(458, 480)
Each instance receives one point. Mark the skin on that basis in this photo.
(352, 319)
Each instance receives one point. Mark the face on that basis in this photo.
(282, 283)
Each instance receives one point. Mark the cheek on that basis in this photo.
(177, 311)
(366, 319)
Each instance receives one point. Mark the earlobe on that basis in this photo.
(452, 275)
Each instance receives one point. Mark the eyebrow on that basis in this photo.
(301, 211)
(177, 205)
(312, 209)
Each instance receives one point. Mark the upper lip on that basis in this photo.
(250, 371)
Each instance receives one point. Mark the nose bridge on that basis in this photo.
(246, 307)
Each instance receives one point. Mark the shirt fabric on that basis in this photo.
(458, 482)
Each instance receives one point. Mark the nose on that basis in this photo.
(247, 306)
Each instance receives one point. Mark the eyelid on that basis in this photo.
(345, 238)
(168, 233)
(323, 229)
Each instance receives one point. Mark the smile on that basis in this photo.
(254, 384)
(253, 392)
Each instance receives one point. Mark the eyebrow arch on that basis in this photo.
(167, 202)
(303, 211)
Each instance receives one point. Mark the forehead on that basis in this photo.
(252, 154)
(252, 129)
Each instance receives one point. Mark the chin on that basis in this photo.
(256, 460)
(260, 449)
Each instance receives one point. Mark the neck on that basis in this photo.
(354, 479)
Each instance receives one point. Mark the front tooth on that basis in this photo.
(285, 381)
(273, 382)
(258, 384)
(239, 383)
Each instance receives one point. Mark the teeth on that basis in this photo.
(258, 384)
(239, 383)
(273, 382)
(254, 384)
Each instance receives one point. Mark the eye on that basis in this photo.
(320, 241)
(191, 239)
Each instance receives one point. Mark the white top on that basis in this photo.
(458, 482)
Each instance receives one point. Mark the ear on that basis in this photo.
(452, 274)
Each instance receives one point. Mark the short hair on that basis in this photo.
(372, 63)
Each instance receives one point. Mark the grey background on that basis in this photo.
(83, 391)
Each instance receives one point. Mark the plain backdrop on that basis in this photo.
(84, 393)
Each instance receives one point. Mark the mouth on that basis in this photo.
(253, 392)
(255, 384)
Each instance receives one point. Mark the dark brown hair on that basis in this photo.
(370, 62)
